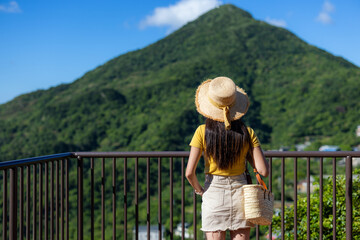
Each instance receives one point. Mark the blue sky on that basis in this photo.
(46, 43)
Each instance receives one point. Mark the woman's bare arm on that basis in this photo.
(195, 154)
(261, 164)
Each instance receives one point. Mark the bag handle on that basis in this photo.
(259, 179)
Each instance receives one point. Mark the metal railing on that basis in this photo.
(42, 195)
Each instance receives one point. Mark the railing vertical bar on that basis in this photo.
(137, 199)
(57, 199)
(13, 204)
(171, 200)
(308, 196)
(125, 199)
(257, 232)
(182, 198)
(92, 198)
(67, 197)
(282, 197)
(62, 199)
(270, 187)
(321, 198)
(148, 197)
(348, 198)
(52, 180)
(103, 199)
(295, 198)
(159, 199)
(334, 198)
(114, 198)
(4, 222)
(194, 215)
(34, 201)
(21, 202)
(40, 201)
(80, 198)
(28, 202)
(46, 200)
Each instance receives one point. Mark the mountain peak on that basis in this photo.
(232, 9)
(224, 13)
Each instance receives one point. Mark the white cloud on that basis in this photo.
(175, 16)
(328, 7)
(324, 18)
(11, 7)
(324, 15)
(276, 22)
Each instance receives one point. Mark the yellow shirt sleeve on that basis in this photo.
(254, 139)
(198, 139)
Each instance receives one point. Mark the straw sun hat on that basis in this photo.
(221, 100)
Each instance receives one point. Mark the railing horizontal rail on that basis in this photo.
(186, 154)
(131, 154)
(311, 154)
(34, 160)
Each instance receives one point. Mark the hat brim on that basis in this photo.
(208, 110)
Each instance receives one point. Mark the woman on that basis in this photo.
(226, 143)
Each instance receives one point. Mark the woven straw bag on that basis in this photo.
(258, 201)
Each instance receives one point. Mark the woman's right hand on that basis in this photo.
(195, 154)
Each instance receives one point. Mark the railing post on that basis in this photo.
(171, 199)
(182, 198)
(13, 204)
(283, 197)
(148, 197)
(4, 206)
(125, 198)
(80, 198)
(159, 199)
(92, 172)
(348, 197)
(334, 198)
(308, 215)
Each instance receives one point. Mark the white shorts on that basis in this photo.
(222, 205)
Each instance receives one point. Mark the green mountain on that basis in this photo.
(144, 100)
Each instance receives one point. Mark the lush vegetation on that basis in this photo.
(327, 212)
(144, 100)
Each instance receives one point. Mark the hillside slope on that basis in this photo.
(144, 100)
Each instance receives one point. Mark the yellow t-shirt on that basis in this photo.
(198, 141)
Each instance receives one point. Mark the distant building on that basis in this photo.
(302, 146)
(154, 232)
(358, 131)
(283, 149)
(302, 185)
(187, 233)
(355, 162)
(329, 148)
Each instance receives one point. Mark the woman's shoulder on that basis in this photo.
(201, 129)
(251, 132)
(201, 126)
(253, 136)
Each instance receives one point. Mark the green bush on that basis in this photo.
(327, 212)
